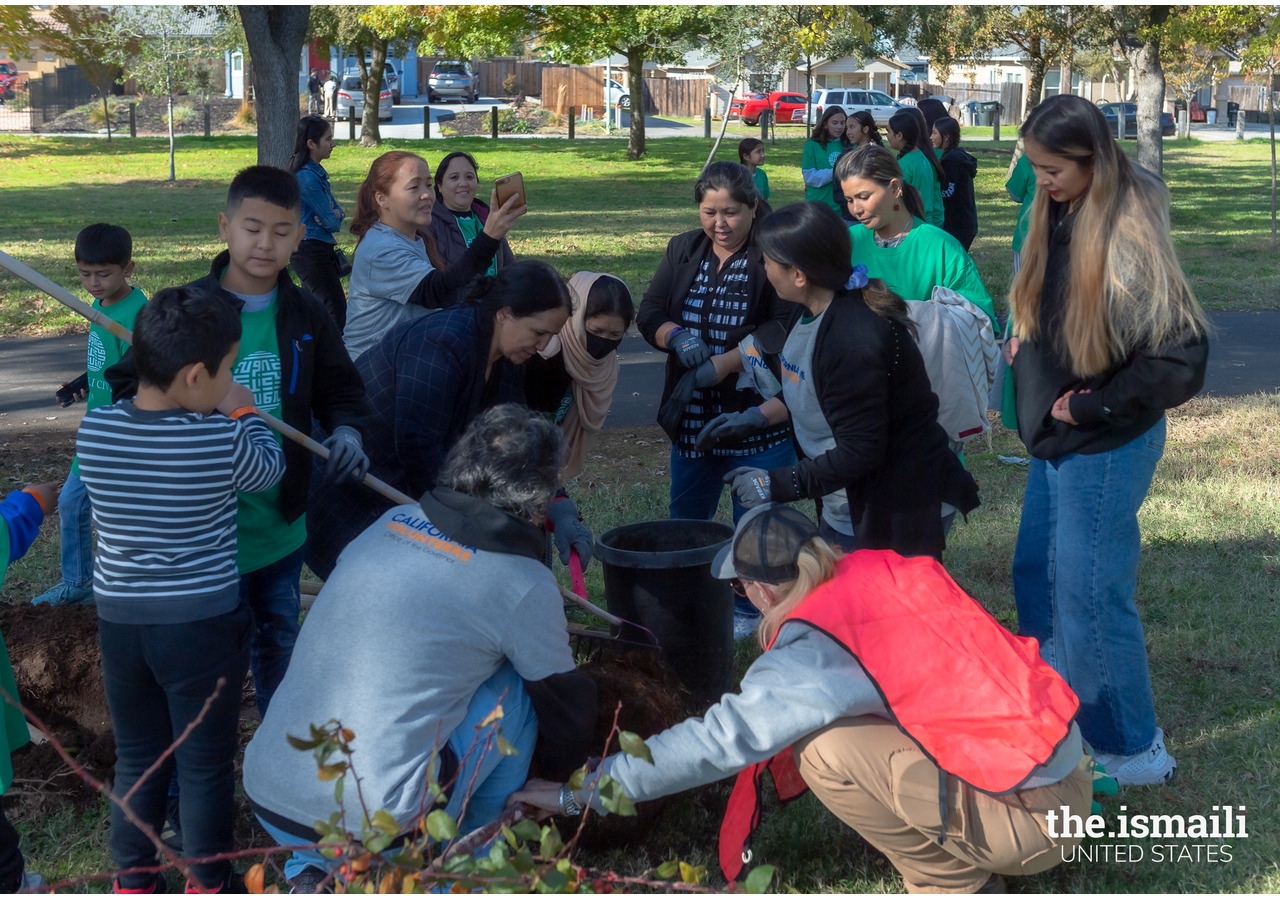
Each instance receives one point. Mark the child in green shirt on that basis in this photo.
(751, 155)
(104, 259)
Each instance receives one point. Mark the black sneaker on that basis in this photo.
(309, 881)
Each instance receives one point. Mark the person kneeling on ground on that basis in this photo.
(947, 766)
(436, 614)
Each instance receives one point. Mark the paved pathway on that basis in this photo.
(1245, 359)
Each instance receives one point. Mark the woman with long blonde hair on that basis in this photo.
(948, 764)
(1107, 335)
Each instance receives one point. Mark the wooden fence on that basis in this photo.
(684, 97)
(577, 86)
(493, 72)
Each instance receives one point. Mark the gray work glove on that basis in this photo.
(751, 486)
(688, 348)
(731, 427)
(705, 375)
(568, 530)
(347, 461)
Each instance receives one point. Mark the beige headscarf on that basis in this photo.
(593, 379)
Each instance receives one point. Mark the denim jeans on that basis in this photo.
(696, 484)
(74, 532)
(157, 678)
(272, 595)
(1075, 570)
(491, 776)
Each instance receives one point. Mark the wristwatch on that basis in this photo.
(569, 805)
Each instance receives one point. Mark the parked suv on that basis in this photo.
(451, 78)
(878, 103)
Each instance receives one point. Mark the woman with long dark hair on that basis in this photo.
(920, 166)
(855, 390)
(861, 129)
(959, 206)
(427, 379)
(1107, 335)
(460, 216)
(316, 259)
(892, 239)
(394, 277)
(827, 141)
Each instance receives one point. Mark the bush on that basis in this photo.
(98, 117)
(244, 117)
(509, 84)
(183, 114)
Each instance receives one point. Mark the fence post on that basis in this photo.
(426, 122)
(995, 124)
(573, 114)
(133, 120)
(764, 127)
(206, 120)
(1120, 122)
(351, 124)
(706, 121)
(1240, 125)
(1184, 125)
(493, 122)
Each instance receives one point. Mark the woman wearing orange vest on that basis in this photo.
(948, 765)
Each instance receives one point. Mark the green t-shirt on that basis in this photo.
(105, 349)
(816, 156)
(262, 534)
(926, 258)
(1022, 183)
(919, 173)
(762, 183)
(469, 224)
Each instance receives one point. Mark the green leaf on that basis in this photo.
(506, 748)
(298, 743)
(386, 823)
(614, 798)
(529, 830)
(510, 837)
(759, 879)
(330, 771)
(378, 842)
(691, 874)
(669, 869)
(551, 844)
(578, 779)
(523, 861)
(440, 825)
(633, 745)
(552, 881)
(339, 786)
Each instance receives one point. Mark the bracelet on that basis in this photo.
(242, 411)
(569, 805)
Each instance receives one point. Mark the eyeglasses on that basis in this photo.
(739, 586)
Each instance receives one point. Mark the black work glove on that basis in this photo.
(568, 530)
(751, 486)
(347, 461)
(731, 427)
(672, 412)
(688, 348)
(705, 375)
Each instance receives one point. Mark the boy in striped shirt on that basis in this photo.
(162, 471)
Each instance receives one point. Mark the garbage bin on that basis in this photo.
(1211, 116)
(987, 110)
(1233, 111)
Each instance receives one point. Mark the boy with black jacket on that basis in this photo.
(292, 359)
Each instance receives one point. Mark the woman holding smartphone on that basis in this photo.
(1107, 335)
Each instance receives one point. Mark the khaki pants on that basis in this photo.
(882, 785)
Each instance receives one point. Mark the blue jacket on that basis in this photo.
(320, 212)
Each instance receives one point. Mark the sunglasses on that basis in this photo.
(739, 586)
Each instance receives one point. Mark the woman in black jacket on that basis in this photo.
(460, 216)
(709, 294)
(855, 390)
(1106, 336)
(960, 219)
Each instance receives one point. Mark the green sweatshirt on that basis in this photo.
(816, 165)
(919, 173)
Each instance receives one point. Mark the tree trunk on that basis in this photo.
(172, 148)
(1035, 75)
(275, 35)
(106, 115)
(1148, 76)
(370, 136)
(635, 76)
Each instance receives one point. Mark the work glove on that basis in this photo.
(731, 427)
(688, 348)
(705, 375)
(751, 486)
(568, 530)
(347, 461)
(672, 412)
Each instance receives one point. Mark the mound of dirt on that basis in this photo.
(152, 117)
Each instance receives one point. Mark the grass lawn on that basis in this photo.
(590, 208)
(1210, 571)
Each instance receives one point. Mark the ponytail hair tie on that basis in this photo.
(857, 279)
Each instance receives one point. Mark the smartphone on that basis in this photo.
(67, 393)
(508, 185)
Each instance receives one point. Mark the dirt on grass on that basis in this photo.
(152, 116)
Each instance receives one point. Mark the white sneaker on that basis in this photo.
(32, 883)
(1152, 766)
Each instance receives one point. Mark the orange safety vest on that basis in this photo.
(979, 701)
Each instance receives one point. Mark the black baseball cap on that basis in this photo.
(765, 545)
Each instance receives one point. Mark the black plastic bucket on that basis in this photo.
(658, 574)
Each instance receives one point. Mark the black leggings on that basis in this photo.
(316, 263)
(11, 864)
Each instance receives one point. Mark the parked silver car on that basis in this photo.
(351, 98)
(878, 103)
(453, 79)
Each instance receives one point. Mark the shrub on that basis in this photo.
(183, 114)
(98, 117)
(244, 117)
(509, 84)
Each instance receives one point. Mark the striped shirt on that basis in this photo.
(163, 489)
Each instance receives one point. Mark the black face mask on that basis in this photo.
(600, 347)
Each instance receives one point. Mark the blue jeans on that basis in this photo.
(272, 594)
(74, 532)
(1075, 570)
(491, 776)
(696, 484)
